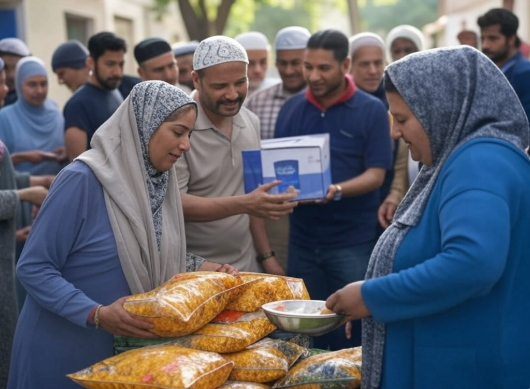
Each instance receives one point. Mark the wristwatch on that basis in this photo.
(265, 256)
(338, 195)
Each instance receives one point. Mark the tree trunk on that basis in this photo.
(196, 25)
(199, 26)
(222, 16)
(355, 20)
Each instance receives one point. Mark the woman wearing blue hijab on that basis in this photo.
(446, 295)
(33, 128)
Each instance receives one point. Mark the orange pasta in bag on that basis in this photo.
(161, 367)
(229, 332)
(186, 302)
(266, 288)
(264, 361)
(337, 369)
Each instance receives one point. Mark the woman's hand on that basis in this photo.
(22, 234)
(33, 156)
(45, 181)
(34, 194)
(116, 320)
(60, 153)
(349, 301)
(212, 266)
(226, 268)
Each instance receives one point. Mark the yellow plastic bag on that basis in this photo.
(265, 361)
(292, 351)
(186, 302)
(266, 288)
(339, 369)
(229, 332)
(160, 367)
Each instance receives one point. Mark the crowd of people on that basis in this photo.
(420, 239)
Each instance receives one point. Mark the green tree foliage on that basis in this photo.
(204, 18)
(383, 15)
(270, 17)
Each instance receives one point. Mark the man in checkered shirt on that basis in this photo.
(290, 44)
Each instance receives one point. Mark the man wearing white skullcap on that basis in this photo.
(290, 44)
(257, 46)
(216, 211)
(12, 50)
(367, 52)
(403, 40)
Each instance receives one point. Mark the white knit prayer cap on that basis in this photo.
(365, 39)
(253, 40)
(405, 31)
(292, 38)
(216, 50)
(14, 46)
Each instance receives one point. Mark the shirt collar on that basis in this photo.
(348, 93)
(516, 57)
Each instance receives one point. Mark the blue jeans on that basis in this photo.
(324, 271)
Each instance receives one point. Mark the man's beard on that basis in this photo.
(109, 83)
(498, 57)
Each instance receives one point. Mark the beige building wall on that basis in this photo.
(133, 20)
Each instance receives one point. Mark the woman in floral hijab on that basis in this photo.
(111, 225)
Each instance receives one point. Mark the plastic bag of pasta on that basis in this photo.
(262, 364)
(292, 351)
(186, 302)
(266, 289)
(264, 361)
(302, 340)
(338, 369)
(243, 385)
(229, 332)
(157, 367)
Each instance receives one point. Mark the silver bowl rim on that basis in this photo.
(267, 307)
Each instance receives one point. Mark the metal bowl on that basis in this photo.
(302, 316)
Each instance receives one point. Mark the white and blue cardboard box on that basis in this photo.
(300, 161)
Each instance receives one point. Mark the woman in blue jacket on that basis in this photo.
(446, 295)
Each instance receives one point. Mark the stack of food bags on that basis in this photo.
(211, 324)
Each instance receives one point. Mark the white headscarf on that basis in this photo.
(144, 205)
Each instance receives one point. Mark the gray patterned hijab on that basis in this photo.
(152, 103)
(457, 94)
(143, 204)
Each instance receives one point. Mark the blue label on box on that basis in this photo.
(287, 172)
